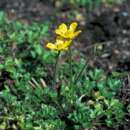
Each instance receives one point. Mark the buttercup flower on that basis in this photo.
(68, 32)
(59, 45)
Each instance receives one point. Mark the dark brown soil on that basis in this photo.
(111, 31)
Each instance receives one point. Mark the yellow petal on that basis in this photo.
(70, 35)
(61, 47)
(51, 46)
(67, 43)
(77, 33)
(59, 41)
(64, 45)
(61, 29)
(73, 26)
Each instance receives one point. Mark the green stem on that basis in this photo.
(80, 73)
(56, 68)
(70, 65)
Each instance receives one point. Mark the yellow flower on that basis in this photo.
(68, 33)
(59, 45)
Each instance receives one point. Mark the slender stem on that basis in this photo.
(80, 73)
(70, 65)
(56, 68)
